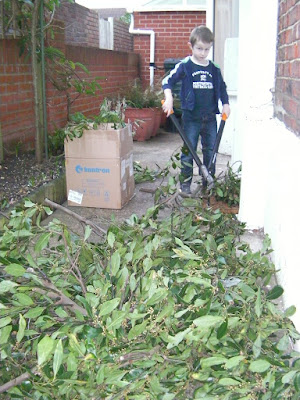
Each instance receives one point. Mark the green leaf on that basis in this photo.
(115, 263)
(201, 376)
(258, 306)
(208, 321)
(7, 286)
(175, 340)
(87, 232)
(189, 294)
(31, 261)
(100, 375)
(156, 386)
(44, 349)
(287, 378)
(184, 252)
(228, 382)
(15, 270)
(28, 203)
(114, 377)
(75, 345)
(72, 362)
(5, 321)
(233, 362)
(58, 357)
(195, 279)
(132, 282)
(116, 320)
(4, 334)
(284, 343)
(210, 243)
(247, 290)
(165, 312)
(147, 264)
(222, 330)
(158, 296)
(22, 326)
(259, 366)
(289, 312)
(24, 299)
(48, 210)
(256, 348)
(34, 312)
(168, 396)
(111, 239)
(109, 306)
(83, 67)
(137, 330)
(274, 293)
(219, 192)
(297, 382)
(179, 314)
(42, 242)
(71, 64)
(211, 361)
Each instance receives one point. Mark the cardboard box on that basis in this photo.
(105, 142)
(99, 168)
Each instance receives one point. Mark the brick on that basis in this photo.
(16, 88)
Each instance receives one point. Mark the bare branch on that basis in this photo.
(97, 229)
(17, 381)
(61, 299)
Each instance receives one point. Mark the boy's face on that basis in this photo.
(200, 50)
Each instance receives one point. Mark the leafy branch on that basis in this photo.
(65, 77)
(166, 306)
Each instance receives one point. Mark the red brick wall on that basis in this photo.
(81, 24)
(16, 94)
(115, 69)
(172, 31)
(82, 27)
(123, 40)
(287, 86)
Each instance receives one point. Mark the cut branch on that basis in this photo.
(78, 275)
(17, 381)
(97, 229)
(61, 299)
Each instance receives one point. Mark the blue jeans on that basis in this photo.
(207, 129)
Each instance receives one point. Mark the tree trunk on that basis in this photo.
(36, 82)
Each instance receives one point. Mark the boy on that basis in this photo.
(202, 87)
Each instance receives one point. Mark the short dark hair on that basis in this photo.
(201, 33)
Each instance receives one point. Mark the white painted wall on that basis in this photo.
(231, 49)
(269, 152)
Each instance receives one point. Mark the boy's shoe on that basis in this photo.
(185, 188)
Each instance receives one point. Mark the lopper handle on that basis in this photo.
(224, 117)
(202, 168)
(172, 112)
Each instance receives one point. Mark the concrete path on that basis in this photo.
(154, 154)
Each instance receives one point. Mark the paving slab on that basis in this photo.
(155, 154)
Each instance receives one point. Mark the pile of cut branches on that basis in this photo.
(158, 308)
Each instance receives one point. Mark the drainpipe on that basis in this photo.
(152, 45)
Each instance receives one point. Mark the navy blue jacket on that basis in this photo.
(181, 72)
